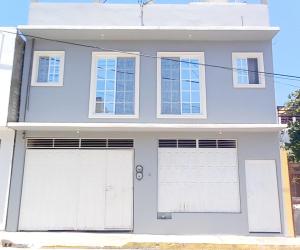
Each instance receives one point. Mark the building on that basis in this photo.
(294, 168)
(10, 81)
(284, 117)
(147, 119)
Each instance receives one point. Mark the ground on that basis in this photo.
(65, 240)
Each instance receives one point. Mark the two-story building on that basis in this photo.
(155, 119)
(11, 55)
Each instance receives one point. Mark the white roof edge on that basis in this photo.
(195, 28)
(143, 127)
(7, 28)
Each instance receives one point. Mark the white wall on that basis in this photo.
(7, 47)
(6, 153)
(193, 14)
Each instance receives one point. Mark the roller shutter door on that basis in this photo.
(198, 177)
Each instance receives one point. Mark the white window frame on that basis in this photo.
(35, 68)
(245, 55)
(192, 55)
(92, 103)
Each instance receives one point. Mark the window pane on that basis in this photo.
(120, 97)
(253, 71)
(100, 97)
(180, 85)
(109, 107)
(176, 108)
(129, 86)
(166, 108)
(129, 97)
(111, 63)
(119, 108)
(125, 86)
(185, 63)
(186, 108)
(101, 63)
(48, 69)
(100, 85)
(242, 71)
(195, 74)
(99, 107)
(195, 96)
(185, 96)
(167, 96)
(175, 97)
(190, 82)
(109, 96)
(106, 84)
(194, 64)
(110, 85)
(43, 69)
(195, 108)
(54, 69)
(195, 86)
(101, 73)
(185, 74)
(110, 74)
(170, 85)
(129, 108)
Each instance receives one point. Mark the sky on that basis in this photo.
(283, 14)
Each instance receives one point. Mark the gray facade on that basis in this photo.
(250, 146)
(225, 104)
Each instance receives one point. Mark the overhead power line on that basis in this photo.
(268, 74)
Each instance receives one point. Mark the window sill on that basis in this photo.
(102, 116)
(160, 116)
(249, 86)
(37, 84)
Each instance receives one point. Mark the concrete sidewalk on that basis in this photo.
(104, 240)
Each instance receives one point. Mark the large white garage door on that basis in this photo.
(198, 176)
(76, 189)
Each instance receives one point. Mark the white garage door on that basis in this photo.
(198, 176)
(77, 189)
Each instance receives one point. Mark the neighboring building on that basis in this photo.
(294, 168)
(284, 117)
(10, 81)
(129, 127)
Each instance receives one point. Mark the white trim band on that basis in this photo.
(136, 127)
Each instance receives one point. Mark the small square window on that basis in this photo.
(248, 70)
(48, 68)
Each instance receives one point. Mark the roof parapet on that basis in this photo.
(201, 1)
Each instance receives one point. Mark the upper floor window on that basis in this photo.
(48, 68)
(181, 85)
(247, 70)
(114, 86)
